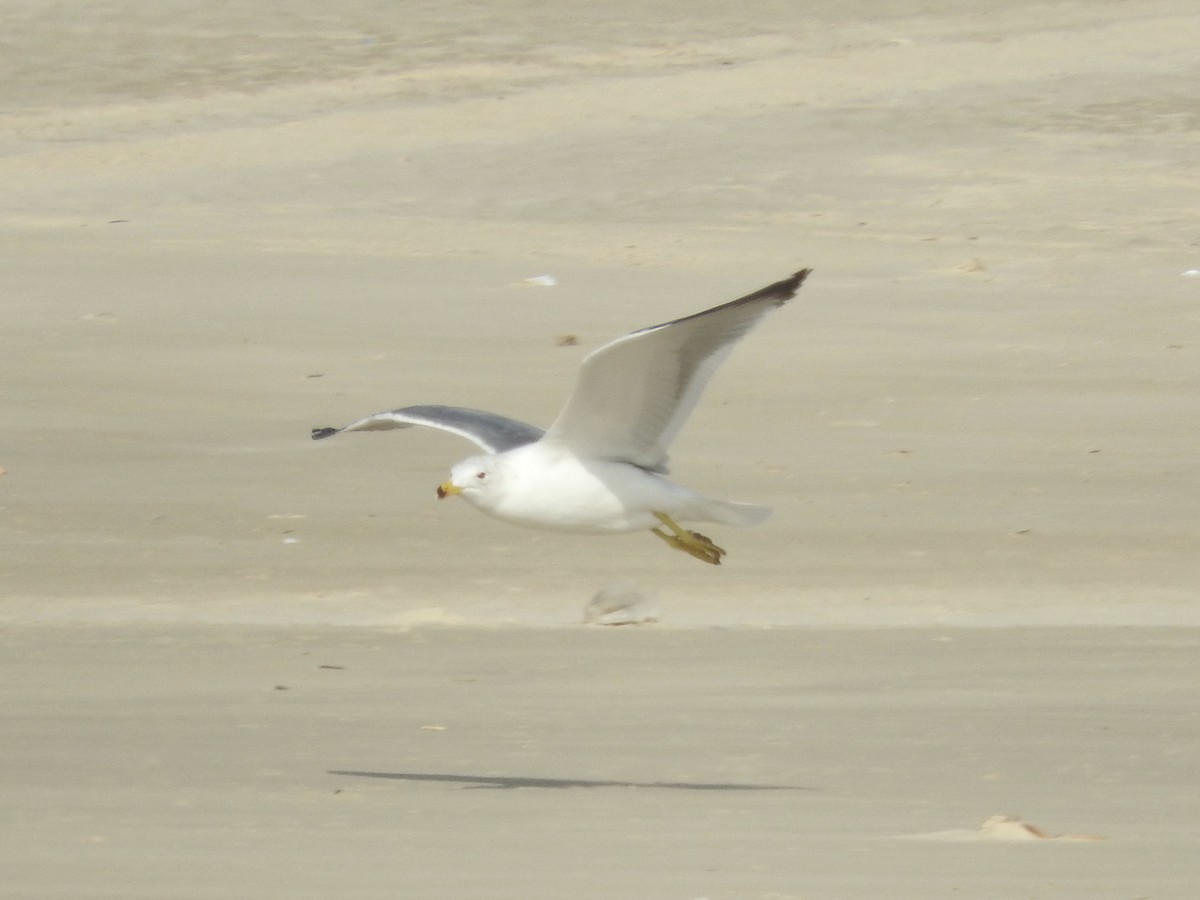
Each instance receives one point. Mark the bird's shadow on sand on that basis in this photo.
(510, 782)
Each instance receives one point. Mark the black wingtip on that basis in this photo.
(789, 286)
(780, 291)
(318, 433)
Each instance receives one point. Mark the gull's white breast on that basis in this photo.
(545, 486)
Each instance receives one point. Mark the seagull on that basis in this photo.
(601, 467)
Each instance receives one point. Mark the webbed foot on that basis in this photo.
(690, 542)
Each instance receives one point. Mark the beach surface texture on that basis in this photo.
(959, 661)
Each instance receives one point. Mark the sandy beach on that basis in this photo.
(240, 663)
(596, 763)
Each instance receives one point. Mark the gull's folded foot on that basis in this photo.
(690, 542)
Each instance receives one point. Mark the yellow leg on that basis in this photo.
(690, 542)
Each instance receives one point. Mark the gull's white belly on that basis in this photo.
(566, 494)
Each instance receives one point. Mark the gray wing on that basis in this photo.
(493, 433)
(633, 395)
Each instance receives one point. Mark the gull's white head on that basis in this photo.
(473, 478)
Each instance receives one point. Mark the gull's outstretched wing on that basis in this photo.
(634, 394)
(493, 433)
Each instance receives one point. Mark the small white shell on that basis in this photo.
(538, 281)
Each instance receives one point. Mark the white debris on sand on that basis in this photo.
(1004, 828)
(621, 602)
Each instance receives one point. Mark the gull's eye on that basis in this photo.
(481, 475)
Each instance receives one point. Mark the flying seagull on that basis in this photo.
(601, 467)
